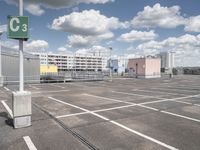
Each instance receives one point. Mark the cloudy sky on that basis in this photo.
(132, 27)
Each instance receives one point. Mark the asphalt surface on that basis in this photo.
(125, 114)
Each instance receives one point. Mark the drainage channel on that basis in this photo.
(73, 133)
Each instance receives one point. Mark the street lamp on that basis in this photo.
(110, 48)
(171, 55)
(1, 77)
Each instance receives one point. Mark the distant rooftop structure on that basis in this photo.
(147, 67)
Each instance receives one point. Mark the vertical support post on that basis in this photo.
(21, 54)
(110, 64)
(0, 56)
(1, 77)
(21, 66)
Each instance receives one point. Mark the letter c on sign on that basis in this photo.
(16, 28)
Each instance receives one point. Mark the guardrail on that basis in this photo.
(78, 76)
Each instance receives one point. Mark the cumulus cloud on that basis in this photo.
(36, 46)
(87, 22)
(158, 16)
(87, 27)
(32, 46)
(3, 28)
(186, 47)
(193, 24)
(79, 41)
(95, 50)
(138, 36)
(63, 50)
(86, 41)
(11, 44)
(55, 4)
(34, 9)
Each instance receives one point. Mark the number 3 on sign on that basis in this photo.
(24, 28)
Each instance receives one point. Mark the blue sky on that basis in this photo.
(131, 27)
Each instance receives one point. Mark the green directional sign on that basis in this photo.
(18, 27)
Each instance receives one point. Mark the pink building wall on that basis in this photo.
(146, 67)
(140, 65)
(153, 67)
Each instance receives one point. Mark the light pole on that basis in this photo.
(1, 77)
(110, 48)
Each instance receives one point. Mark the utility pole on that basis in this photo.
(1, 77)
(110, 64)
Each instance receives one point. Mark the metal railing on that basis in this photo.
(62, 77)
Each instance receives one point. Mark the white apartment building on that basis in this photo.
(167, 60)
(70, 62)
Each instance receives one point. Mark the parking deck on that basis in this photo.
(128, 114)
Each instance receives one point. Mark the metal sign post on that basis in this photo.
(18, 29)
(1, 77)
(21, 53)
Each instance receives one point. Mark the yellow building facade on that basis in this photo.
(48, 69)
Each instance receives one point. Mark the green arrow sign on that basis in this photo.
(18, 27)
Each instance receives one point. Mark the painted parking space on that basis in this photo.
(126, 114)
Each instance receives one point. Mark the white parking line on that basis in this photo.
(190, 86)
(29, 143)
(161, 88)
(99, 110)
(148, 91)
(49, 91)
(36, 88)
(111, 99)
(145, 136)
(120, 107)
(177, 115)
(7, 108)
(79, 85)
(158, 101)
(136, 94)
(70, 115)
(197, 105)
(133, 104)
(149, 107)
(119, 125)
(7, 89)
(57, 100)
(57, 86)
(183, 102)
